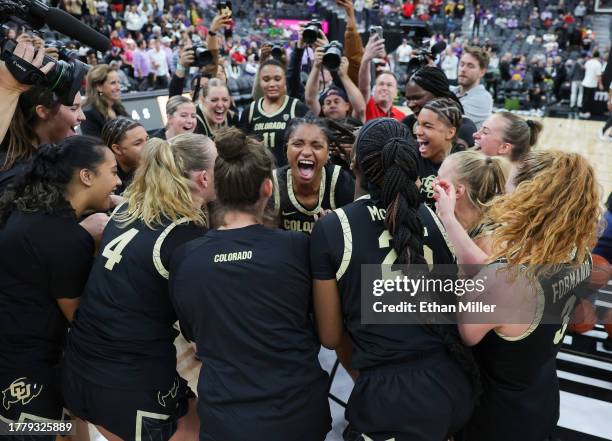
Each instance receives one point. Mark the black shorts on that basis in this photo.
(148, 415)
(425, 400)
(31, 397)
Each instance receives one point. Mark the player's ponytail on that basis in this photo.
(241, 168)
(42, 186)
(520, 133)
(162, 188)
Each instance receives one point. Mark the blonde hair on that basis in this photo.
(551, 216)
(484, 176)
(96, 76)
(161, 189)
(213, 82)
(175, 102)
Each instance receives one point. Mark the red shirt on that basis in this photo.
(408, 9)
(373, 111)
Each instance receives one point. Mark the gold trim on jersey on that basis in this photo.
(294, 200)
(442, 230)
(348, 242)
(539, 312)
(276, 192)
(334, 181)
(159, 266)
(116, 209)
(280, 110)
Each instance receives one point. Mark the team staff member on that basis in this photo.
(267, 118)
(517, 361)
(260, 376)
(506, 134)
(409, 387)
(126, 139)
(40, 118)
(120, 362)
(437, 126)
(103, 99)
(308, 186)
(45, 258)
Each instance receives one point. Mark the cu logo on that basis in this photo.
(20, 391)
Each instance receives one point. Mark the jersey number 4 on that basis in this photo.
(112, 251)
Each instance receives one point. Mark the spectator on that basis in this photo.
(142, 65)
(580, 12)
(477, 102)
(591, 82)
(159, 65)
(134, 19)
(404, 52)
(450, 65)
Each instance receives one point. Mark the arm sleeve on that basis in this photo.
(294, 85)
(353, 48)
(177, 85)
(322, 261)
(67, 254)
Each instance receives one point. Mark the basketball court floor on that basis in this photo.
(584, 364)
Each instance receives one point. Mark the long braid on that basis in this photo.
(114, 130)
(391, 172)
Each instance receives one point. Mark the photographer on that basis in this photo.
(334, 102)
(10, 88)
(380, 102)
(103, 99)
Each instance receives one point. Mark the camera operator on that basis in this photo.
(10, 88)
(380, 102)
(334, 102)
(103, 99)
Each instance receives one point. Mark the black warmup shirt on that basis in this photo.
(336, 190)
(520, 398)
(340, 243)
(123, 334)
(244, 295)
(270, 127)
(203, 128)
(43, 258)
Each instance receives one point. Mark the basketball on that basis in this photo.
(602, 272)
(584, 318)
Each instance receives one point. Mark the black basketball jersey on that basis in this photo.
(123, 335)
(270, 128)
(244, 295)
(336, 190)
(521, 391)
(428, 171)
(340, 243)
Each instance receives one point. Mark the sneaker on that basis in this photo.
(585, 115)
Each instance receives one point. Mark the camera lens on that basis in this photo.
(276, 52)
(202, 56)
(310, 34)
(332, 56)
(65, 79)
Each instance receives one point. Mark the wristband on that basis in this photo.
(212, 34)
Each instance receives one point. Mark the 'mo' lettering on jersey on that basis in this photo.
(232, 257)
(277, 125)
(570, 281)
(378, 214)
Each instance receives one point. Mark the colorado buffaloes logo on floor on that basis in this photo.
(20, 391)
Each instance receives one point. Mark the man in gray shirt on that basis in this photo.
(476, 100)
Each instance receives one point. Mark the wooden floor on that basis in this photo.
(582, 137)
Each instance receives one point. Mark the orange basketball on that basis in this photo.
(583, 318)
(602, 272)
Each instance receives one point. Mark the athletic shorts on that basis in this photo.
(32, 397)
(147, 415)
(425, 400)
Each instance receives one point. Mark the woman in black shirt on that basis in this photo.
(243, 294)
(45, 257)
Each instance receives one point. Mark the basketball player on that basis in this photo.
(517, 360)
(45, 258)
(268, 117)
(309, 185)
(409, 387)
(243, 293)
(437, 127)
(120, 362)
(125, 138)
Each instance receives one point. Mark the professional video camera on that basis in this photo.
(312, 32)
(66, 76)
(201, 56)
(332, 57)
(422, 56)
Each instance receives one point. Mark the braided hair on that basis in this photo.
(115, 129)
(388, 159)
(448, 111)
(433, 79)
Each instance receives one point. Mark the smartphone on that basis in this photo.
(378, 30)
